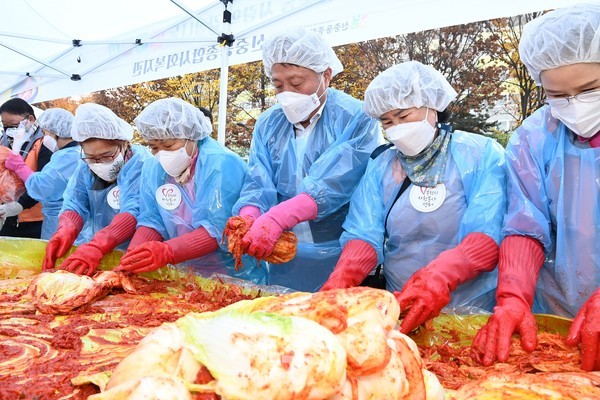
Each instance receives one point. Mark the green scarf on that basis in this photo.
(428, 168)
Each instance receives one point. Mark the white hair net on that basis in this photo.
(58, 121)
(172, 118)
(300, 47)
(565, 36)
(93, 121)
(407, 85)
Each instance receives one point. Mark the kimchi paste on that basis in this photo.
(40, 354)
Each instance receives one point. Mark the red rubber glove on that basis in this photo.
(151, 256)
(15, 163)
(428, 290)
(585, 329)
(69, 225)
(357, 260)
(266, 230)
(87, 257)
(521, 259)
(144, 234)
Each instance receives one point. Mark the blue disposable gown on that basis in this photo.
(205, 201)
(553, 197)
(48, 185)
(475, 202)
(335, 158)
(98, 205)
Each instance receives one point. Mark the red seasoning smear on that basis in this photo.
(40, 354)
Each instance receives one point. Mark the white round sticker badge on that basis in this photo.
(112, 198)
(427, 199)
(168, 196)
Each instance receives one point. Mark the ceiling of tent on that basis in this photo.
(61, 48)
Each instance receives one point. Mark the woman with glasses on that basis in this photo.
(103, 193)
(23, 217)
(189, 190)
(550, 257)
(48, 185)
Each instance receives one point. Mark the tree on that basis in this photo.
(250, 92)
(463, 53)
(526, 96)
(466, 54)
(364, 61)
(122, 101)
(66, 103)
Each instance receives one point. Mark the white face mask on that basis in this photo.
(411, 138)
(21, 134)
(582, 117)
(11, 132)
(25, 127)
(108, 171)
(297, 107)
(174, 162)
(50, 143)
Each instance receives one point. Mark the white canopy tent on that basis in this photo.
(62, 48)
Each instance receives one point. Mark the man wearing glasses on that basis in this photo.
(23, 217)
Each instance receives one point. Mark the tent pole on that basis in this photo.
(223, 80)
(226, 39)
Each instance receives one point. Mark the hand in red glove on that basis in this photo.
(86, 258)
(521, 259)
(151, 256)
(585, 329)
(357, 260)
(266, 230)
(15, 163)
(492, 342)
(428, 290)
(69, 225)
(147, 257)
(144, 234)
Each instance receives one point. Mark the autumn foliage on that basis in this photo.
(480, 60)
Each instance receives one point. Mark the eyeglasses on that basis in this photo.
(101, 160)
(589, 96)
(7, 127)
